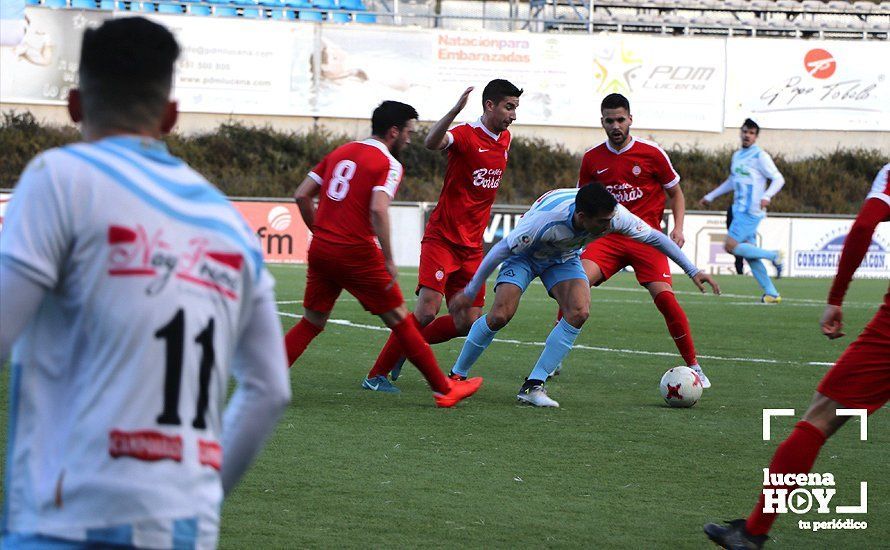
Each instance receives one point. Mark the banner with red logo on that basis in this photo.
(812, 85)
(283, 236)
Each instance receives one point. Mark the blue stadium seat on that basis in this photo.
(252, 13)
(55, 3)
(224, 11)
(32, 2)
(282, 13)
(352, 5)
(195, 9)
(298, 3)
(107, 5)
(271, 3)
(365, 18)
(325, 4)
(310, 15)
(339, 17)
(142, 6)
(170, 8)
(83, 4)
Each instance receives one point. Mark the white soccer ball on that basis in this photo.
(681, 387)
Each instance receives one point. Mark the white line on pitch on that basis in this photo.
(347, 323)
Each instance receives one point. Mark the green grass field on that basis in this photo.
(612, 468)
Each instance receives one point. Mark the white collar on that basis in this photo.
(623, 149)
(373, 142)
(478, 124)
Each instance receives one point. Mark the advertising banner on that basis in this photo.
(813, 85)
(278, 225)
(816, 249)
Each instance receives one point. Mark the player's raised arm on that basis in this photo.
(628, 224)
(437, 138)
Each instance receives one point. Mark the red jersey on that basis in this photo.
(477, 159)
(637, 176)
(348, 176)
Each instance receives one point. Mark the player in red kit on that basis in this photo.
(860, 379)
(351, 247)
(639, 174)
(451, 248)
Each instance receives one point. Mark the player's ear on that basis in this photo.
(488, 105)
(171, 114)
(75, 107)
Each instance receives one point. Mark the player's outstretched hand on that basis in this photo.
(677, 237)
(462, 102)
(701, 278)
(832, 322)
(459, 302)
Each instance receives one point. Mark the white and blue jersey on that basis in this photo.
(749, 171)
(153, 282)
(545, 243)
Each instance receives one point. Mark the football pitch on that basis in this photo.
(613, 467)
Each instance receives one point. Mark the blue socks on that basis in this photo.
(557, 346)
(751, 252)
(478, 339)
(759, 272)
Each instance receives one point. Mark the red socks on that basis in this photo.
(297, 338)
(441, 329)
(795, 455)
(677, 325)
(419, 352)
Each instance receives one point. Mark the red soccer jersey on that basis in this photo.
(348, 176)
(477, 159)
(637, 176)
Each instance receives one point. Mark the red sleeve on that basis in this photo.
(873, 212)
(318, 172)
(460, 138)
(664, 170)
(584, 173)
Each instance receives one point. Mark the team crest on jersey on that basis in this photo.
(440, 275)
(137, 252)
(637, 170)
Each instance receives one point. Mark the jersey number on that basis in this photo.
(174, 334)
(339, 184)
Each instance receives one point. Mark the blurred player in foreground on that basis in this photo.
(640, 176)
(351, 244)
(751, 168)
(860, 379)
(547, 243)
(452, 242)
(131, 290)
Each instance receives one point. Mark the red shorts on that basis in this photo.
(360, 270)
(861, 377)
(613, 253)
(447, 268)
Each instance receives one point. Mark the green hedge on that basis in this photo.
(248, 161)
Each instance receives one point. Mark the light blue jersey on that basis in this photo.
(749, 171)
(546, 236)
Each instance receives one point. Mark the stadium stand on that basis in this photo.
(860, 19)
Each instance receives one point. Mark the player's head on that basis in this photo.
(500, 99)
(616, 119)
(126, 73)
(594, 208)
(394, 123)
(749, 132)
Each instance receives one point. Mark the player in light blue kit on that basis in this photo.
(750, 169)
(546, 243)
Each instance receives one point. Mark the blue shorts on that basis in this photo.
(522, 270)
(744, 227)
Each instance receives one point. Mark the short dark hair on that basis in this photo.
(389, 114)
(594, 199)
(751, 124)
(126, 73)
(615, 101)
(498, 89)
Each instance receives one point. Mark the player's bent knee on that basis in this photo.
(577, 317)
(823, 414)
(498, 318)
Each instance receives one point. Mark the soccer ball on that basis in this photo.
(681, 387)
